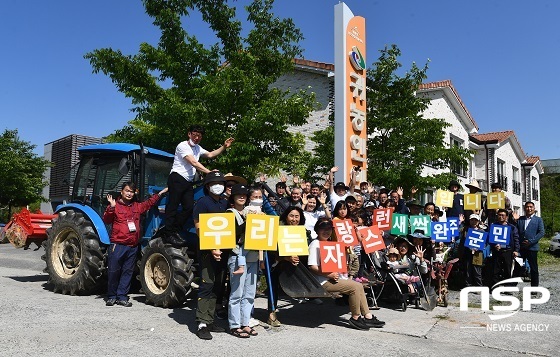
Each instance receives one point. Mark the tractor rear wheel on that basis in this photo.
(73, 254)
(166, 274)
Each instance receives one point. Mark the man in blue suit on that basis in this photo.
(531, 230)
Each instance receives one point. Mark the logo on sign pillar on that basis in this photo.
(357, 59)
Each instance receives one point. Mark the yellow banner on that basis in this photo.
(217, 231)
(496, 200)
(292, 240)
(473, 201)
(444, 198)
(261, 232)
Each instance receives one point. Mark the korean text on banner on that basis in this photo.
(499, 234)
(372, 239)
(217, 231)
(496, 200)
(382, 218)
(473, 201)
(333, 257)
(292, 240)
(344, 230)
(422, 223)
(453, 224)
(475, 239)
(399, 227)
(441, 232)
(261, 232)
(444, 198)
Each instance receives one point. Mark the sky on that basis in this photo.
(503, 58)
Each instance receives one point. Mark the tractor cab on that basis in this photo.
(105, 167)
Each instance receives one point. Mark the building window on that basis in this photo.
(459, 170)
(534, 188)
(502, 179)
(515, 181)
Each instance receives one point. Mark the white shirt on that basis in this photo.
(310, 220)
(335, 198)
(314, 258)
(182, 166)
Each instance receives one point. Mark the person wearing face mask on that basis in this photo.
(181, 179)
(212, 265)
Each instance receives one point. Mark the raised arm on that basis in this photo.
(218, 151)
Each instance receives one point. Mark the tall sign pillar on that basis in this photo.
(350, 131)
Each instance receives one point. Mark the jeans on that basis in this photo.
(243, 290)
(120, 268)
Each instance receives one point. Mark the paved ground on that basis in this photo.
(35, 321)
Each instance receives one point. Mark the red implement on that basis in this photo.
(26, 228)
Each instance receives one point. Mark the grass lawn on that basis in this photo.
(545, 258)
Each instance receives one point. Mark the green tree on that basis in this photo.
(550, 203)
(227, 87)
(401, 140)
(21, 173)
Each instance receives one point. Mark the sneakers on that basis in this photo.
(358, 324)
(273, 321)
(204, 333)
(125, 303)
(110, 302)
(374, 322)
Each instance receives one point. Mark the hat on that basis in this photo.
(496, 185)
(393, 251)
(418, 233)
(474, 186)
(214, 176)
(414, 203)
(474, 216)
(323, 224)
(438, 211)
(453, 183)
(400, 239)
(239, 189)
(237, 179)
(364, 182)
(369, 204)
(341, 185)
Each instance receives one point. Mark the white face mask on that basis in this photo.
(191, 143)
(364, 192)
(257, 202)
(216, 189)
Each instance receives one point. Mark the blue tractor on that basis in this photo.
(76, 243)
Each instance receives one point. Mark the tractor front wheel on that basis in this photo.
(166, 274)
(73, 254)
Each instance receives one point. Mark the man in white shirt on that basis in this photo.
(339, 191)
(180, 181)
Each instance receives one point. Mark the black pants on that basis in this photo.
(180, 193)
(531, 256)
(472, 274)
(212, 275)
(501, 264)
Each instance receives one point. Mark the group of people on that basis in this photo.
(307, 204)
